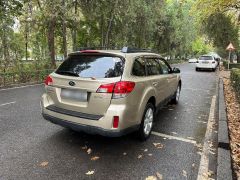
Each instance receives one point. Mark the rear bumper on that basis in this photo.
(89, 129)
(206, 66)
(89, 123)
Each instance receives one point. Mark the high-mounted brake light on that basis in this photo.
(48, 81)
(119, 89)
(88, 51)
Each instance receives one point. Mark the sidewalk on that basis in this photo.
(228, 134)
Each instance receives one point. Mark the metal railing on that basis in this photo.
(23, 77)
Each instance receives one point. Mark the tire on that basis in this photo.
(197, 69)
(146, 125)
(176, 96)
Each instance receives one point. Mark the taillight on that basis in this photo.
(122, 89)
(119, 89)
(48, 81)
(106, 88)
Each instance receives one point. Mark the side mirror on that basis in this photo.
(176, 70)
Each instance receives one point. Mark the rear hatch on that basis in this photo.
(75, 82)
(205, 60)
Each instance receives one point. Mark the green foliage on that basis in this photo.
(235, 79)
(221, 31)
(199, 47)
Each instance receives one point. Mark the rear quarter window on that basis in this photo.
(138, 67)
(96, 66)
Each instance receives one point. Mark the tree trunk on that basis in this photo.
(238, 57)
(106, 44)
(51, 41)
(74, 31)
(64, 29)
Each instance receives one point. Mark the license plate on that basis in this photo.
(76, 95)
(205, 62)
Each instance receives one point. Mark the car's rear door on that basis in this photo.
(172, 80)
(158, 82)
(76, 81)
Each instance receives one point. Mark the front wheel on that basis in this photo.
(147, 122)
(176, 96)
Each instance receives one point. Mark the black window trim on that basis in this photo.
(150, 56)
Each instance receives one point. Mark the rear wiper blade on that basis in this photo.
(68, 73)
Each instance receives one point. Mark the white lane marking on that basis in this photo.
(21, 87)
(203, 167)
(192, 89)
(174, 137)
(7, 103)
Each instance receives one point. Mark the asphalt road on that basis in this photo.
(32, 148)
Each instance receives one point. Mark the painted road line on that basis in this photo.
(174, 137)
(192, 89)
(21, 87)
(203, 167)
(7, 103)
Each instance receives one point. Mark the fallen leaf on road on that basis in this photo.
(90, 173)
(190, 138)
(140, 156)
(193, 165)
(184, 173)
(84, 147)
(158, 145)
(89, 151)
(159, 176)
(174, 133)
(124, 153)
(199, 153)
(44, 163)
(149, 154)
(95, 158)
(145, 150)
(151, 178)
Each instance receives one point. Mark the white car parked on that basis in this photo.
(206, 62)
(192, 60)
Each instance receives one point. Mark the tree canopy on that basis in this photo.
(44, 31)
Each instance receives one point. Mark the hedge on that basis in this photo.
(231, 65)
(235, 80)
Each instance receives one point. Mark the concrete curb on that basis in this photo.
(224, 165)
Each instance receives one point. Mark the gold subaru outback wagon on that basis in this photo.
(110, 92)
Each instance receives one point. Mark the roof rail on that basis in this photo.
(97, 48)
(134, 50)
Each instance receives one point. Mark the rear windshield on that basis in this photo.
(206, 58)
(92, 66)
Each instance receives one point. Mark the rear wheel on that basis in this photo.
(176, 97)
(147, 122)
(197, 69)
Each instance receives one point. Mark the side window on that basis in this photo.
(138, 67)
(153, 67)
(165, 68)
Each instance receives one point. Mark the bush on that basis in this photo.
(231, 65)
(225, 64)
(235, 80)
